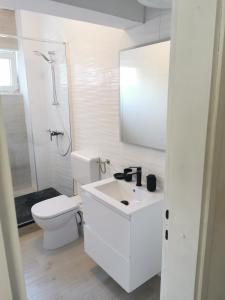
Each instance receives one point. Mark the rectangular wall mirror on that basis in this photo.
(144, 74)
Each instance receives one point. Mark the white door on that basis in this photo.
(192, 57)
(10, 260)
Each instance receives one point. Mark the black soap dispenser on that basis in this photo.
(151, 183)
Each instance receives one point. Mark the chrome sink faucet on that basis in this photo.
(138, 173)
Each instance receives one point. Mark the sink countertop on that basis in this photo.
(136, 204)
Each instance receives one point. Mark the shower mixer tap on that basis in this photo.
(54, 133)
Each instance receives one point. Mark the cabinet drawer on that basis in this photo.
(107, 224)
(107, 258)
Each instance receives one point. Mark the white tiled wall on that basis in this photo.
(52, 170)
(93, 59)
(16, 132)
(7, 26)
(14, 116)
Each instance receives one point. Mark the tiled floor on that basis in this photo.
(69, 274)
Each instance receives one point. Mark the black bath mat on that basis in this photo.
(24, 203)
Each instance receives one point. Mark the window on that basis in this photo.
(8, 72)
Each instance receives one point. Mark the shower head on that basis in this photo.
(49, 60)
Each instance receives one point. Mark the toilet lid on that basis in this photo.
(56, 206)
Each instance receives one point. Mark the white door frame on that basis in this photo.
(5, 288)
(8, 223)
(211, 257)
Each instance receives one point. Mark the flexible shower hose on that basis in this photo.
(66, 134)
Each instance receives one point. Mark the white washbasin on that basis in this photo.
(112, 192)
(126, 241)
(120, 190)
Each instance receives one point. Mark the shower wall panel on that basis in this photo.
(53, 170)
(16, 132)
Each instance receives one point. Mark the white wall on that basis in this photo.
(94, 66)
(16, 132)
(14, 117)
(7, 26)
(52, 170)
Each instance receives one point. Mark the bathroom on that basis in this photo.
(82, 144)
(86, 89)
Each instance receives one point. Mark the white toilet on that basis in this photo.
(58, 216)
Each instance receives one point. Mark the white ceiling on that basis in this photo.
(116, 13)
(156, 3)
(128, 9)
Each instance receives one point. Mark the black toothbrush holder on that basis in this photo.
(151, 183)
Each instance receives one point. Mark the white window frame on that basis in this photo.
(13, 88)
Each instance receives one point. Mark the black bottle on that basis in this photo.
(151, 183)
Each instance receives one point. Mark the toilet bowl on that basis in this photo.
(58, 216)
(58, 219)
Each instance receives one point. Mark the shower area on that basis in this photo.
(35, 103)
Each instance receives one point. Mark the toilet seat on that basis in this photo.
(56, 206)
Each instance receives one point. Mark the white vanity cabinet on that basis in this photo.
(127, 246)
